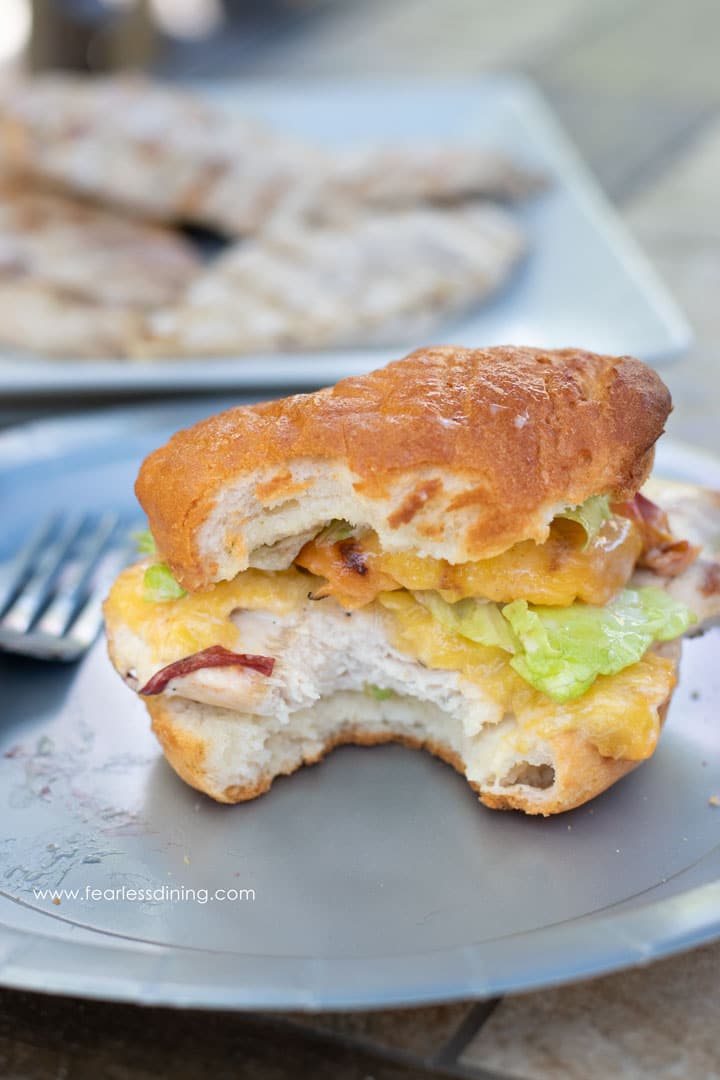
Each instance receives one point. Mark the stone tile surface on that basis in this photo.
(659, 1023)
(677, 220)
(693, 274)
(422, 1032)
(49, 1038)
(659, 50)
(682, 203)
(428, 38)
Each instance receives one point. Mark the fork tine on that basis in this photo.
(85, 627)
(16, 569)
(74, 577)
(19, 617)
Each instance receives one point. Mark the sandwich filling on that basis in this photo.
(551, 635)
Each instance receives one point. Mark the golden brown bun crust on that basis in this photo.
(525, 428)
(581, 772)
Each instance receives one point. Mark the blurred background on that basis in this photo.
(178, 37)
(634, 82)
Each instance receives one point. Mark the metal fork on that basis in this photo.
(52, 589)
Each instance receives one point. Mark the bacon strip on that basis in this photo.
(661, 552)
(670, 560)
(216, 656)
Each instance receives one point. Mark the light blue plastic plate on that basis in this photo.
(378, 877)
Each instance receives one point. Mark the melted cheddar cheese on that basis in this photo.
(618, 714)
(173, 629)
(563, 569)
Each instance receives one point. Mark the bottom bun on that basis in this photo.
(234, 756)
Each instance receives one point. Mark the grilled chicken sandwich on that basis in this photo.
(451, 552)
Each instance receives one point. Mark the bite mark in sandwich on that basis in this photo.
(516, 602)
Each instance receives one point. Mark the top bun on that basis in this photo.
(453, 453)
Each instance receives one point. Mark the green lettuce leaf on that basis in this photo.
(380, 693)
(563, 650)
(477, 620)
(159, 584)
(338, 529)
(591, 515)
(145, 542)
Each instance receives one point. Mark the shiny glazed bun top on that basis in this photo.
(453, 453)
